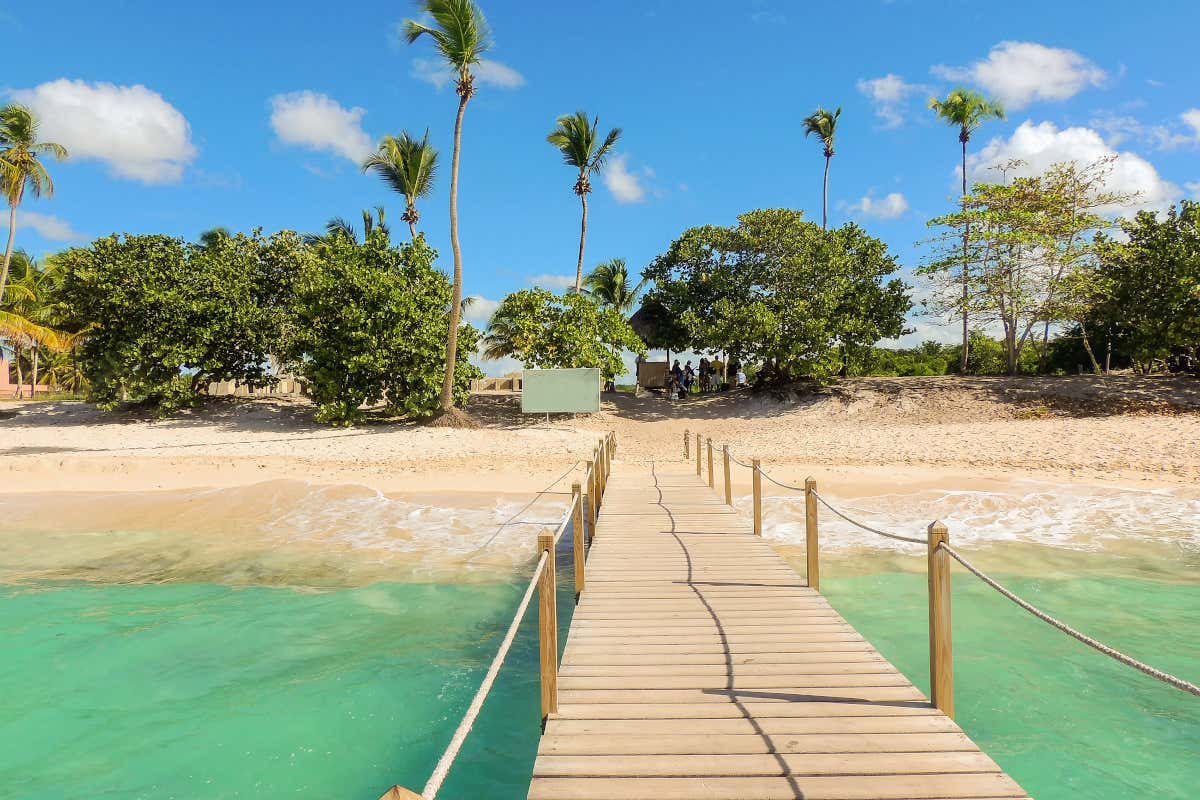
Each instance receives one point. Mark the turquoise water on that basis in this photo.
(1063, 720)
(207, 691)
(130, 673)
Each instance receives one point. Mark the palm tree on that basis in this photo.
(340, 227)
(409, 167)
(609, 285)
(966, 110)
(461, 35)
(21, 168)
(27, 315)
(581, 148)
(824, 124)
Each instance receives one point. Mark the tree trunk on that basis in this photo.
(1087, 345)
(1045, 348)
(8, 250)
(582, 239)
(34, 377)
(966, 328)
(447, 401)
(825, 196)
(412, 231)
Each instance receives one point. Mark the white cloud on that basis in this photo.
(625, 186)
(1119, 129)
(1040, 146)
(1194, 188)
(481, 309)
(132, 129)
(318, 122)
(890, 95)
(492, 73)
(49, 226)
(1191, 118)
(892, 206)
(546, 281)
(1018, 73)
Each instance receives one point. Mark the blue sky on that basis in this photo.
(187, 116)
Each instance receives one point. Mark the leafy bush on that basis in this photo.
(369, 325)
(164, 318)
(547, 331)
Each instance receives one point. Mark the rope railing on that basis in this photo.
(1095, 644)
(581, 515)
(939, 553)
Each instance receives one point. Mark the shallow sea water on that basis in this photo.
(141, 663)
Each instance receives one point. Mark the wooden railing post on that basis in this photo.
(577, 541)
(757, 497)
(941, 660)
(687, 441)
(711, 485)
(599, 470)
(548, 629)
(810, 533)
(728, 485)
(610, 449)
(698, 456)
(592, 510)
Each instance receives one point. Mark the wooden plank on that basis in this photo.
(854, 787)
(759, 727)
(764, 764)
(710, 743)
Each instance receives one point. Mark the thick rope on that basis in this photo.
(1129, 661)
(856, 523)
(464, 727)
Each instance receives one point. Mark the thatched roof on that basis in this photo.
(643, 324)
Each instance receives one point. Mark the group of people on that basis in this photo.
(709, 377)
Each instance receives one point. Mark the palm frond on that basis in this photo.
(576, 137)
(459, 32)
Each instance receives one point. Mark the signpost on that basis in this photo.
(551, 391)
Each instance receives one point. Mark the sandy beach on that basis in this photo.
(861, 436)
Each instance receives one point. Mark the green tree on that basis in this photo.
(165, 318)
(369, 326)
(21, 168)
(1148, 286)
(824, 124)
(461, 35)
(340, 227)
(548, 331)
(212, 236)
(578, 139)
(966, 110)
(409, 167)
(609, 285)
(777, 289)
(29, 322)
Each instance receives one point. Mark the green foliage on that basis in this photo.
(409, 167)
(548, 331)
(780, 290)
(823, 124)
(370, 324)
(164, 318)
(578, 139)
(966, 110)
(930, 358)
(1149, 286)
(608, 284)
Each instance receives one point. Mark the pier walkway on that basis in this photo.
(701, 666)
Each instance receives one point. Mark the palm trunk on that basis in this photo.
(20, 372)
(825, 196)
(447, 400)
(582, 240)
(33, 379)
(966, 331)
(412, 231)
(8, 250)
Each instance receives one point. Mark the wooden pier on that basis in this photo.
(701, 666)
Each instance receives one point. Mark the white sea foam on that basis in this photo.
(1068, 516)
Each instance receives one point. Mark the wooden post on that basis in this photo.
(711, 485)
(757, 497)
(941, 660)
(728, 485)
(610, 449)
(698, 467)
(591, 482)
(548, 629)
(599, 478)
(687, 440)
(577, 542)
(810, 533)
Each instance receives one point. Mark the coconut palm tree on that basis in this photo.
(966, 110)
(824, 124)
(21, 168)
(461, 35)
(341, 227)
(409, 167)
(27, 315)
(579, 142)
(609, 285)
